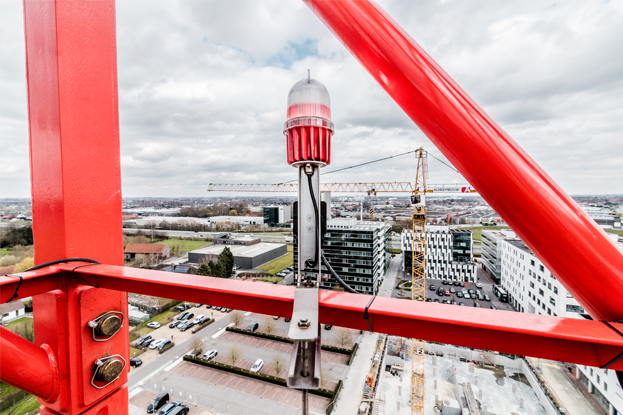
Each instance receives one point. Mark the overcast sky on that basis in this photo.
(203, 88)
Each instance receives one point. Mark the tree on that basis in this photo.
(203, 270)
(268, 325)
(196, 345)
(234, 355)
(24, 265)
(233, 212)
(227, 259)
(219, 270)
(278, 363)
(237, 318)
(24, 330)
(17, 236)
(343, 337)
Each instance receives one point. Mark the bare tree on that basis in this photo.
(234, 355)
(237, 318)
(278, 363)
(343, 337)
(196, 345)
(324, 378)
(268, 326)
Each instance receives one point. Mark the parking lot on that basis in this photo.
(483, 280)
(141, 400)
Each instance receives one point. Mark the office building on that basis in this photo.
(532, 288)
(357, 251)
(274, 216)
(491, 251)
(449, 253)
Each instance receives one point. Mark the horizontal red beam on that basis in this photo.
(34, 282)
(31, 368)
(569, 340)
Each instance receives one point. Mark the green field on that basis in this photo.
(615, 231)
(5, 251)
(278, 264)
(10, 325)
(273, 280)
(185, 245)
(26, 405)
(135, 351)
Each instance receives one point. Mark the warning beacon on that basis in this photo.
(308, 130)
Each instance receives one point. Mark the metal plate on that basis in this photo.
(305, 307)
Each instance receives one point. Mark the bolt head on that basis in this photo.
(303, 323)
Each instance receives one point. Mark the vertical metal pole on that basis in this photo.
(309, 230)
(71, 62)
(305, 408)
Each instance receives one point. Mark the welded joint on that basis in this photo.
(56, 377)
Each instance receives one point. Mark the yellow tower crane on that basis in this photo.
(418, 278)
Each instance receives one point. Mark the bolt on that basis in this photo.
(304, 323)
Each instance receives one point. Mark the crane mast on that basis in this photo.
(418, 278)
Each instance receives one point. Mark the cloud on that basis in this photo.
(203, 88)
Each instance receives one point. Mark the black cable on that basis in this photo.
(337, 277)
(78, 277)
(359, 165)
(309, 263)
(47, 264)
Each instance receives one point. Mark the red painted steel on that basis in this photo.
(76, 179)
(570, 340)
(560, 233)
(32, 284)
(33, 369)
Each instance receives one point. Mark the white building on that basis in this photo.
(532, 288)
(12, 310)
(491, 251)
(449, 253)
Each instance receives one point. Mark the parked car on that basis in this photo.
(447, 292)
(473, 296)
(275, 317)
(187, 306)
(155, 344)
(153, 325)
(164, 344)
(178, 308)
(194, 353)
(480, 296)
(432, 287)
(452, 290)
(280, 274)
(470, 291)
(287, 319)
(487, 298)
(428, 300)
(169, 408)
(174, 324)
(158, 402)
(453, 302)
(198, 319)
(444, 282)
(461, 283)
(189, 316)
(236, 267)
(210, 354)
(328, 326)
(436, 300)
(459, 294)
(456, 283)
(208, 306)
(198, 305)
(135, 362)
(183, 315)
(461, 303)
(479, 285)
(477, 305)
(143, 339)
(187, 326)
(148, 342)
(257, 365)
(226, 310)
(493, 307)
(253, 327)
(180, 410)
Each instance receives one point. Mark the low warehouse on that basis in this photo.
(245, 256)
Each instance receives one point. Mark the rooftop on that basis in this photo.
(239, 250)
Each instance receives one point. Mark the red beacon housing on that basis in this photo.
(308, 128)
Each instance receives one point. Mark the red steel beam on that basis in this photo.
(559, 232)
(33, 283)
(584, 342)
(31, 368)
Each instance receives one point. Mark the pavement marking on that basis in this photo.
(135, 392)
(168, 368)
(248, 313)
(150, 375)
(549, 364)
(218, 333)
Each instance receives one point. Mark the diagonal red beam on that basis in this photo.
(559, 232)
(569, 340)
(31, 368)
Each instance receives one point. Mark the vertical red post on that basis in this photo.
(566, 239)
(76, 185)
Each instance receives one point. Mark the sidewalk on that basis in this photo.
(352, 389)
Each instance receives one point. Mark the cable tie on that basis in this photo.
(365, 313)
(21, 280)
(620, 355)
